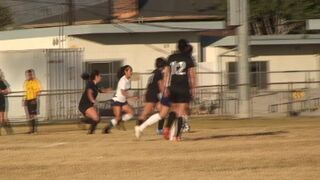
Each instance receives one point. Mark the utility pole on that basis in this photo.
(243, 63)
(71, 17)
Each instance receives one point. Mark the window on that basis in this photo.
(108, 71)
(258, 74)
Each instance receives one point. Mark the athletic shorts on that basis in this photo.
(117, 103)
(2, 107)
(152, 98)
(32, 106)
(83, 108)
(165, 101)
(180, 95)
(2, 104)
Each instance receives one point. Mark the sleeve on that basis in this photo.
(90, 85)
(38, 86)
(190, 63)
(3, 85)
(122, 84)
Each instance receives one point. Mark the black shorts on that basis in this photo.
(152, 98)
(117, 103)
(165, 101)
(2, 104)
(180, 95)
(83, 108)
(32, 106)
(2, 107)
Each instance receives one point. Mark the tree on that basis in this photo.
(5, 17)
(281, 16)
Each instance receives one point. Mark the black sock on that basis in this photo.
(171, 118)
(160, 124)
(93, 127)
(33, 125)
(86, 120)
(139, 122)
(180, 123)
(8, 127)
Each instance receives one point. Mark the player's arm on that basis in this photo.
(192, 79)
(90, 96)
(165, 81)
(105, 90)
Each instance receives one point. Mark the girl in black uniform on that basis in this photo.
(182, 85)
(88, 99)
(152, 96)
(3, 91)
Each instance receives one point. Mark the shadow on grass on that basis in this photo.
(237, 135)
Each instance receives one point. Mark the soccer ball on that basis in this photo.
(186, 127)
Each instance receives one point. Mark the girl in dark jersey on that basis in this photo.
(181, 86)
(154, 89)
(3, 91)
(164, 105)
(88, 99)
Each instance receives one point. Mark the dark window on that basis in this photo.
(258, 74)
(108, 71)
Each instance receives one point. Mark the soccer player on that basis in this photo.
(32, 87)
(4, 90)
(88, 99)
(119, 101)
(164, 105)
(181, 87)
(154, 88)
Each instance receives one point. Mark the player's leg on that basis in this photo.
(93, 116)
(160, 122)
(129, 112)
(117, 117)
(147, 110)
(1, 120)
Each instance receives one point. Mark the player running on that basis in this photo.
(119, 101)
(181, 87)
(88, 99)
(155, 88)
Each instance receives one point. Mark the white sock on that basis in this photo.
(151, 120)
(114, 122)
(127, 117)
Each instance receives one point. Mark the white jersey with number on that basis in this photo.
(123, 84)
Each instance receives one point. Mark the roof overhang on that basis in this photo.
(271, 40)
(118, 28)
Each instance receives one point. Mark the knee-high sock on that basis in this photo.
(151, 120)
(113, 122)
(160, 124)
(33, 125)
(180, 123)
(126, 117)
(171, 118)
(93, 126)
(8, 127)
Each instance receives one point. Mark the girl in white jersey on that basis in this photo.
(119, 101)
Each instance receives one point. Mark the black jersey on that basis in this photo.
(153, 86)
(85, 102)
(3, 86)
(180, 64)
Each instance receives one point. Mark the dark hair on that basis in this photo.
(183, 45)
(30, 71)
(86, 76)
(122, 70)
(160, 62)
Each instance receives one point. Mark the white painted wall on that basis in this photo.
(280, 58)
(30, 43)
(14, 64)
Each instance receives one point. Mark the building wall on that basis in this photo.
(31, 43)
(279, 58)
(137, 50)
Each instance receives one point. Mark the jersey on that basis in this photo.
(3, 86)
(85, 101)
(32, 88)
(153, 86)
(180, 64)
(123, 84)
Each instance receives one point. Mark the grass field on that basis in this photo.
(215, 149)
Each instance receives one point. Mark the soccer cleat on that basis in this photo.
(107, 129)
(121, 126)
(159, 131)
(137, 132)
(166, 133)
